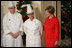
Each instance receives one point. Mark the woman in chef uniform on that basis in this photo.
(33, 29)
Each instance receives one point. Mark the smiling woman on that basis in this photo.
(51, 28)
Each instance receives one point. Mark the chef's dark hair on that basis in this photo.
(50, 9)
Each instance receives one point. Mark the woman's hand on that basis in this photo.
(13, 35)
(56, 43)
(17, 34)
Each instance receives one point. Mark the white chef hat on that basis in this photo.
(10, 4)
(29, 9)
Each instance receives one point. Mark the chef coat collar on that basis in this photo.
(32, 20)
(12, 14)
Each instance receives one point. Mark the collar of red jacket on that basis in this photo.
(51, 18)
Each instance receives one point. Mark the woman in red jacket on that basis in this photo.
(51, 28)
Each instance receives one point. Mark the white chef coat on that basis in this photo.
(33, 29)
(12, 23)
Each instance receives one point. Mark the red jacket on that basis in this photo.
(51, 31)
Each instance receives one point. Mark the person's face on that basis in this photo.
(31, 15)
(11, 9)
(47, 13)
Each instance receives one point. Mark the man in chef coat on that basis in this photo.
(33, 29)
(12, 26)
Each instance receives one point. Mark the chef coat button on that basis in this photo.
(9, 19)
